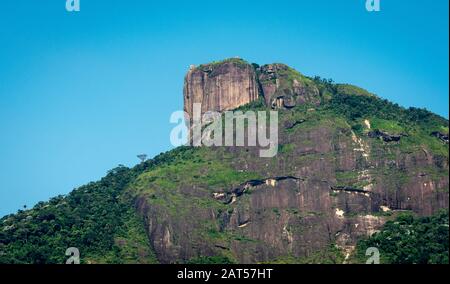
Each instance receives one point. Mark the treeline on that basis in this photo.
(88, 219)
(91, 218)
(411, 240)
(355, 103)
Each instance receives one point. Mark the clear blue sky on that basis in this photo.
(83, 92)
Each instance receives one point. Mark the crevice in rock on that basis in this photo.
(258, 82)
(441, 136)
(231, 197)
(386, 137)
(244, 224)
(222, 247)
(292, 124)
(350, 189)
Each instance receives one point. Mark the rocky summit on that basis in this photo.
(234, 82)
(351, 167)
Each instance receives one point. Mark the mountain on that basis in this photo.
(352, 171)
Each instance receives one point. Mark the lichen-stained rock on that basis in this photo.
(220, 86)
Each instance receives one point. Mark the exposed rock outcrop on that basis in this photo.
(443, 137)
(386, 137)
(233, 82)
(283, 87)
(293, 124)
(220, 86)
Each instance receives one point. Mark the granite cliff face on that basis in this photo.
(220, 86)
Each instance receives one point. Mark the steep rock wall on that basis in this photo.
(220, 86)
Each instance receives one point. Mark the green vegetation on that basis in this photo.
(356, 105)
(390, 126)
(197, 166)
(237, 61)
(257, 105)
(351, 90)
(210, 260)
(410, 240)
(286, 148)
(98, 219)
(290, 74)
(330, 255)
(94, 218)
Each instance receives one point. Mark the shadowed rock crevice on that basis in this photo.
(386, 137)
(441, 136)
(231, 196)
(350, 189)
(292, 124)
